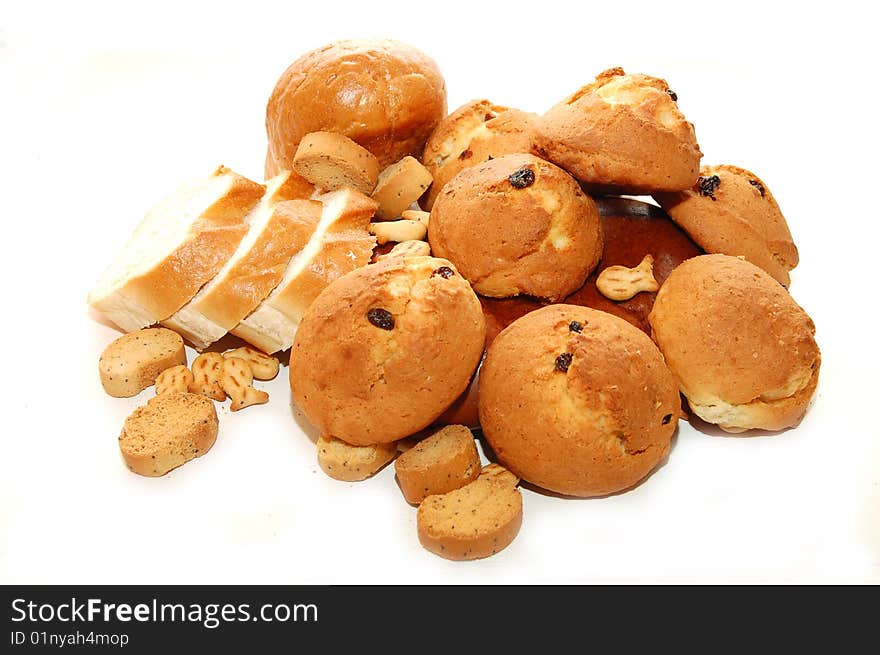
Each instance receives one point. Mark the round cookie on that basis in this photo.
(475, 132)
(577, 401)
(517, 225)
(743, 351)
(622, 134)
(384, 95)
(731, 211)
(385, 349)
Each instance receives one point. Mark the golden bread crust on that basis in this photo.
(385, 95)
(542, 239)
(743, 351)
(623, 133)
(735, 215)
(368, 384)
(591, 425)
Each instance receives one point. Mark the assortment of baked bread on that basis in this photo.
(436, 274)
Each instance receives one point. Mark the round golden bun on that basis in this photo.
(385, 349)
(741, 348)
(732, 212)
(622, 133)
(475, 132)
(577, 401)
(385, 95)
(517, 225)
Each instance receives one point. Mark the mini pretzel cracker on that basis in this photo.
(237, 381)
(177, 378)
(622, 283)
(206, 369)
(263, 366)
(411, 248)
(417, 215)
(402, 230)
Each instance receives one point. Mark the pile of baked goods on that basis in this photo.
(439, 276)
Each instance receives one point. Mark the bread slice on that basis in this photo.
(178, 246)
(342, 461)
(475, 521)
(340, 243)
(333, 161)
(170, 430)
(445, 461)
(276, 231)
(131, 363)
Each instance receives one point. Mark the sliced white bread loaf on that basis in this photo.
(340, 244)
(276, 231)
(178, 246)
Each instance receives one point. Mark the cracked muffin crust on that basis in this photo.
(385, 349)
(475, 132)
(517, 225)
(577, 401)
(730, 210)
(743, 351)
(623, 134)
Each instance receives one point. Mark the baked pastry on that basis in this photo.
(731, 211)
(276, 232)
(446, 460)
(339, 243)
(517, 224)
(622, 133)
(342, 461)
(475, 132)
(332, 161)
(473, 521)
(180, 244)
(170, 430)
(741, 348)
(385, 95)
(577, 401)
(385, 349)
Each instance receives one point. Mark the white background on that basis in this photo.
(106, 107)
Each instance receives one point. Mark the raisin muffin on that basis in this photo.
(731, 211)
(622, 133)
(517, 225)
(385, 95)
(577, 401)
(743, 351)
(474, 133)
(385, 349)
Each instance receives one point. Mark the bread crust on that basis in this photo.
(591, 425)
(542, 239)
(367, 384)
(742, 350)
(474, 521)
(739, 216)
(385, 95)
(159, 292)
(622, 133)
(446, 460)
(132, 362)
(474, 133)
(170, 430)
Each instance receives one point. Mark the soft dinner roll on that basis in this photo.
(731, 211)
(385, 349)
(577, 401)
(517, 224)
(474, 133)
(385, 95)
(741, 348)
(622, 133)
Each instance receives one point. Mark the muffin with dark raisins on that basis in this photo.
(730, 211)
(622, 134)
(384, 350)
